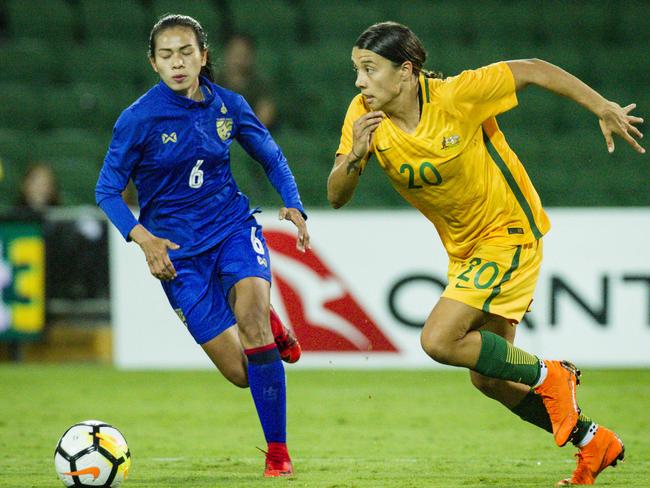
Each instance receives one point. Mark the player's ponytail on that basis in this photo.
(431, 74)
(397, 43)
(174, 20)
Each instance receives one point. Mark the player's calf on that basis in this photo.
(490, 387)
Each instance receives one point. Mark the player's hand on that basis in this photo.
(155, 250)
(615, 119)
(295, 216)
(362, 131)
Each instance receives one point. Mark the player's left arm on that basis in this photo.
(258, 143)
(613, 118)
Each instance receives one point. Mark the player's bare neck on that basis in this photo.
(194, 92)
(404, 110)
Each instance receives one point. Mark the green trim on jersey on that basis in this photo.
(497, 289)
(426, 88)
(512, 183)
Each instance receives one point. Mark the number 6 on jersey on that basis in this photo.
(196, 175)
(257, 244)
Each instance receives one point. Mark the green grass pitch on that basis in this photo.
(346, 428)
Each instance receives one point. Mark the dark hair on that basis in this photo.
(174, 20)
(397, 43)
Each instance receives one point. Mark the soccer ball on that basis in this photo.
(92, 453)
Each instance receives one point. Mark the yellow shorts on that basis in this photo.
(497, 279)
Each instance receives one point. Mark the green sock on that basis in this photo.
(582, 427)
(500, 359)
(532, 409)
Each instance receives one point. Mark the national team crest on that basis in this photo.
(224, 128)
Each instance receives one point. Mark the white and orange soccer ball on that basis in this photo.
(92, 453)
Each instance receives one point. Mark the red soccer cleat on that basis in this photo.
(287, 343)
(278, 470)
(278, 462)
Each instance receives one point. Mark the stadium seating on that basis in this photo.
(94, 106)
(69, 67)
(76, 156)
(321, 76)
(274, 22)
(438, 23)
(13, 166)
(23, 115)
(343, 21)
(107, 61)
(632, 16)
(127, 20)
(41, 19)
(29, 61)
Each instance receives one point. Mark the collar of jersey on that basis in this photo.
(188, 102)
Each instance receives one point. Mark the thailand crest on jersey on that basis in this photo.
(224, 128)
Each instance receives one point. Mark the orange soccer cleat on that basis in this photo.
(287, 342)
(558, 393)
(604, 450)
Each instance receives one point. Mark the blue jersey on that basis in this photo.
(177, 151)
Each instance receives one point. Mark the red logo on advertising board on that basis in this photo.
(322, 311)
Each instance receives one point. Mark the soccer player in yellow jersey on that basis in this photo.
(440, 145)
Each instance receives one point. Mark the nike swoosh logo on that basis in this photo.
(382, 150)
(94, 471)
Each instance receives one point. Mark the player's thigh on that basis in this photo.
(227, 354)
(245, 276)
(197, 297)
(244, 254)
(251, 301)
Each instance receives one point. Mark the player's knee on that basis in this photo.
(436, 347)
(487, 386)
(253, 321)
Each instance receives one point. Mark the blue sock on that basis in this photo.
(268, 387)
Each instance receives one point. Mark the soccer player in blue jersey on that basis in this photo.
(196, 228)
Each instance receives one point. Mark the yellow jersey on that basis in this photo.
(456, 167)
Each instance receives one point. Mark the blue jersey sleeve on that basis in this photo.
(258, 143)
(122, 157)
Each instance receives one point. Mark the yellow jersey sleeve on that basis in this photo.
(476, 95)
(356, 109)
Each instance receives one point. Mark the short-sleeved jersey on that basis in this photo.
(177, 152)
(456, 167)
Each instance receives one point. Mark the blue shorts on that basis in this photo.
(199, 294)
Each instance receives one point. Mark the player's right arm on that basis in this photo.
(353, 152)
(122, 157)
(343, 179)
